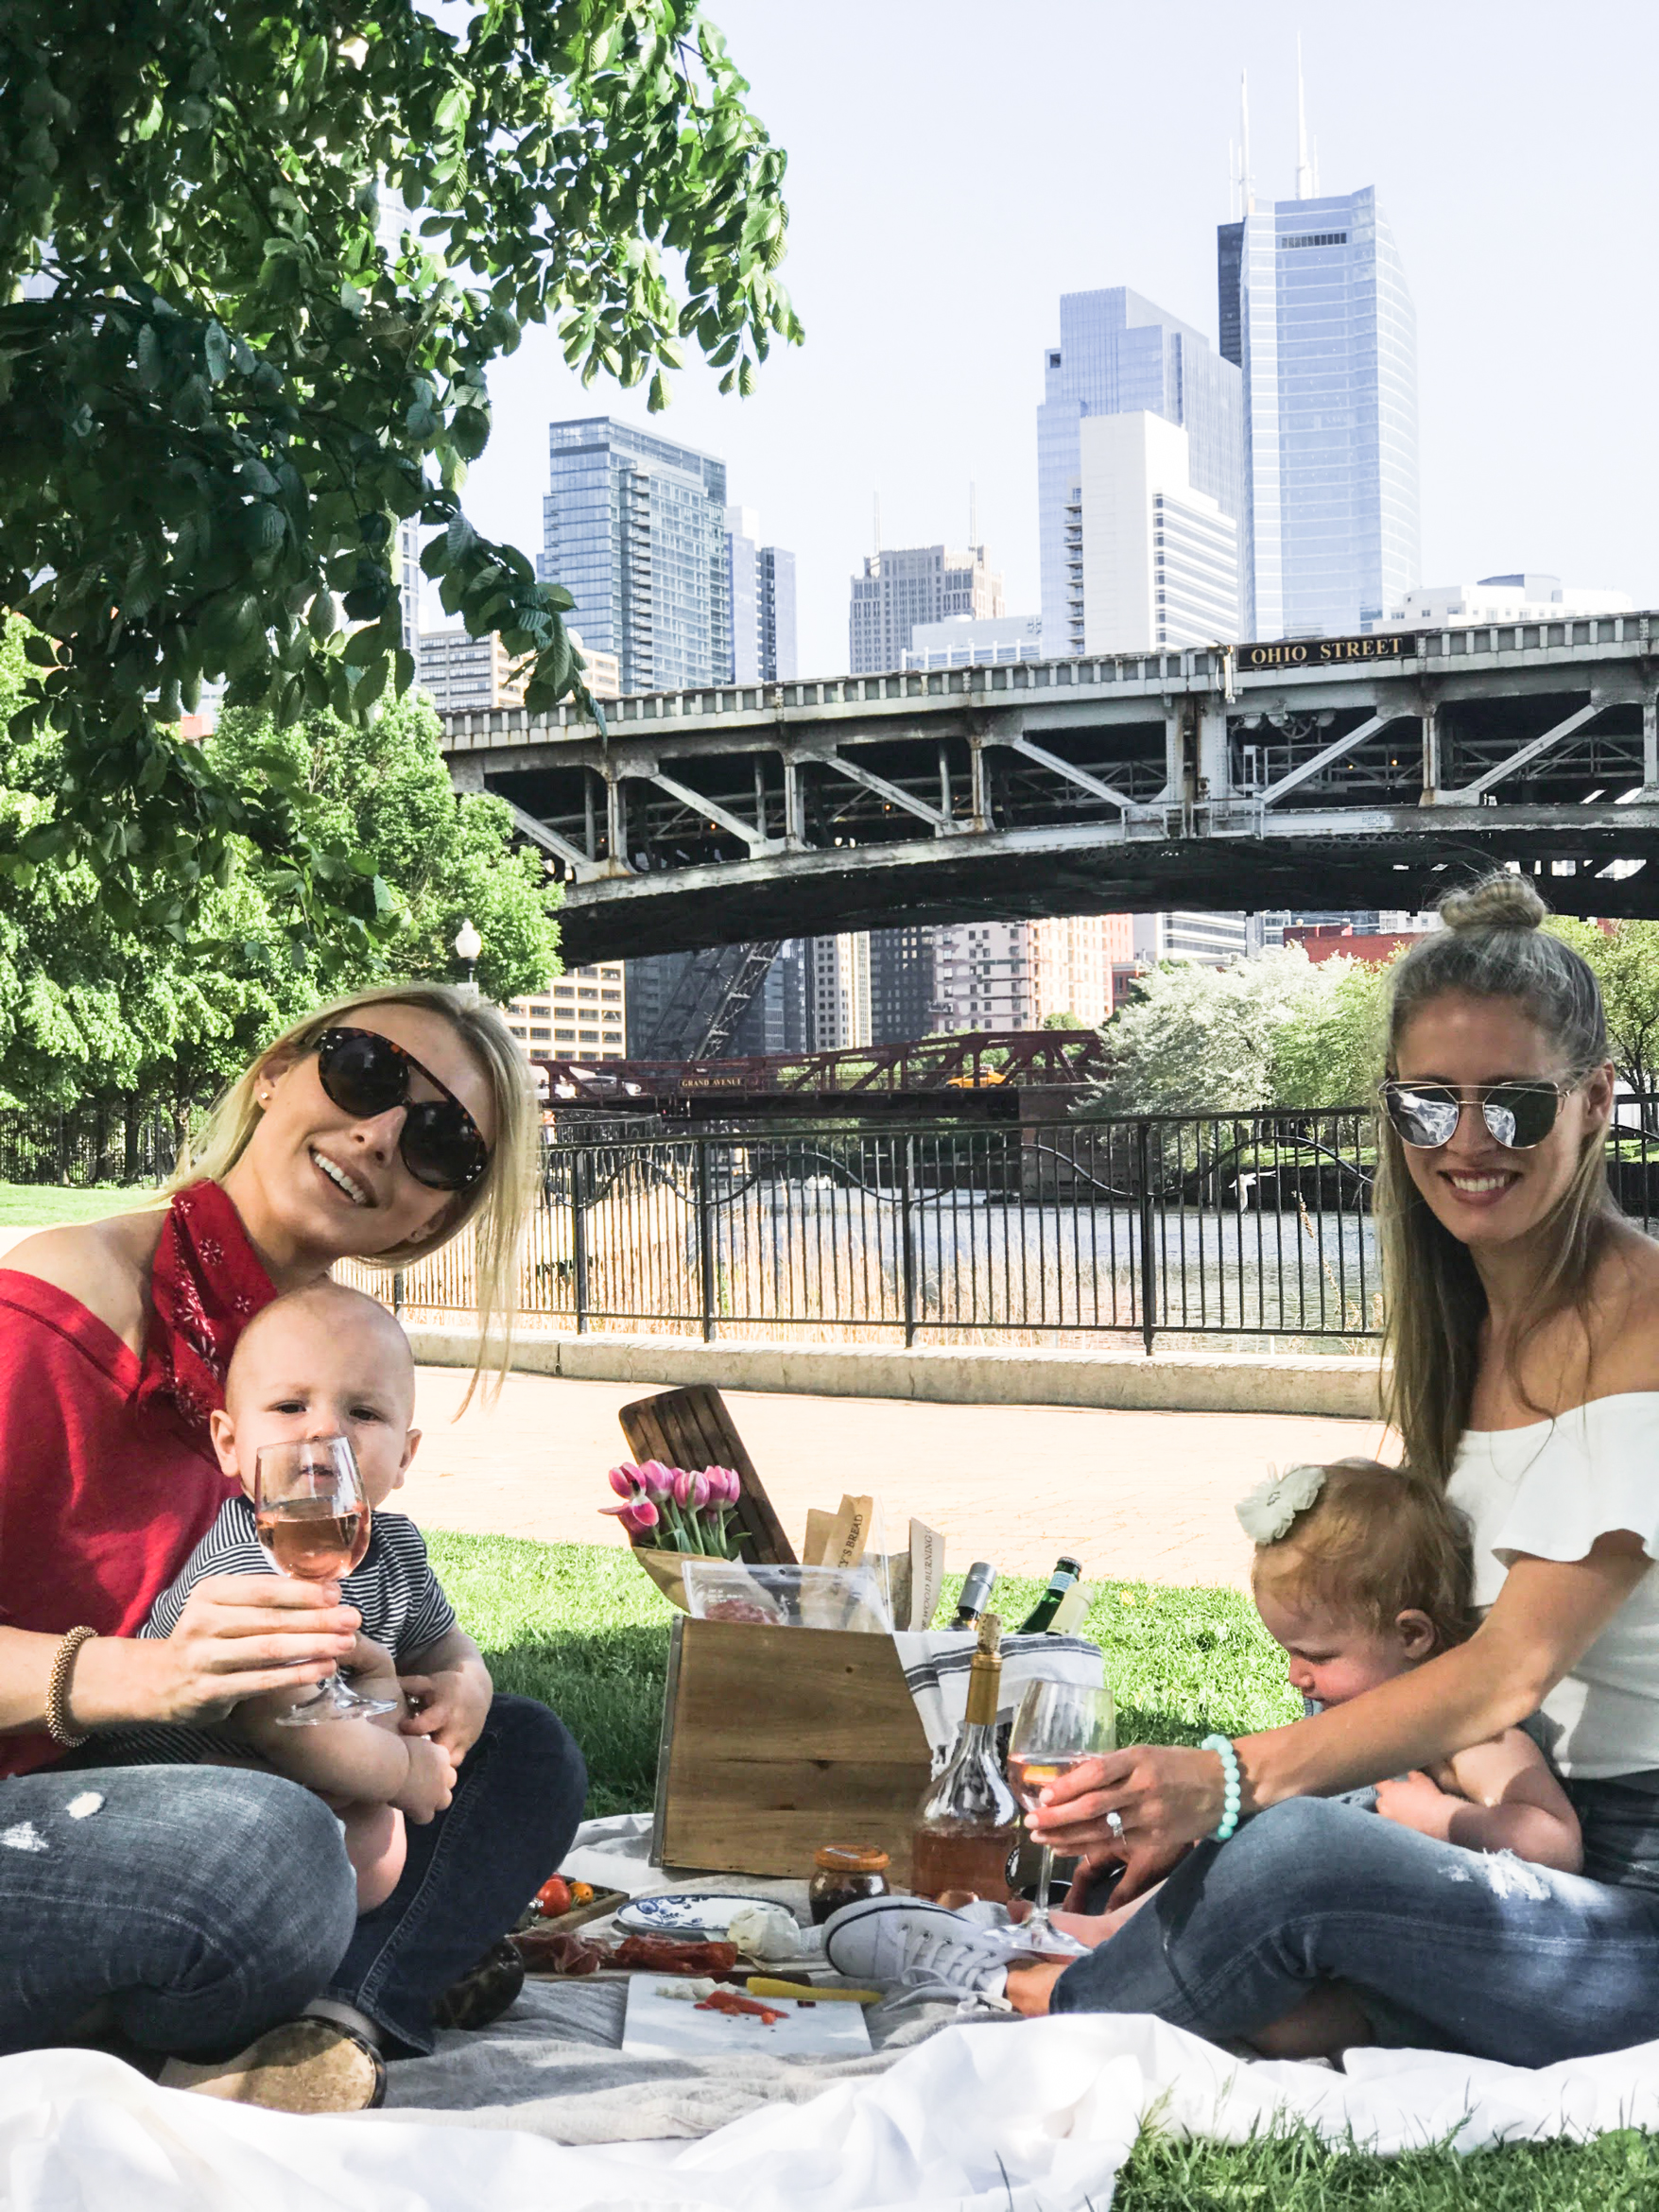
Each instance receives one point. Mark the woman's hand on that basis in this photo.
(238, 1635)
(1165, 1799)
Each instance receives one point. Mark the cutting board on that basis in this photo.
(663, 2026)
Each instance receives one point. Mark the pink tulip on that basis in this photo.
(636, 1518)
(625, 1480)
(690, 1490)
(655, 1479)
(730, 1483)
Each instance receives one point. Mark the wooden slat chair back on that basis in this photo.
(692, 1428)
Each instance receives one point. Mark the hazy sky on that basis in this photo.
(954, 168)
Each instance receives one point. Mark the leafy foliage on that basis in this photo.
(120, 1016)
(1276, 1029)
(1625, 957)
(270, 253)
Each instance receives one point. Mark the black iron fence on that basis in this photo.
(1253, 1224)
(1248, 1225)
(92, 1144)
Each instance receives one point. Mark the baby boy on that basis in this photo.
(328, 1361)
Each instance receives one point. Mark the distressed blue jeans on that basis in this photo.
(198, 1903)
(1445, 1948)
(208, 1903)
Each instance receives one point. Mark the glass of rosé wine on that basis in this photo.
(1057, 1725)
(313, 1522)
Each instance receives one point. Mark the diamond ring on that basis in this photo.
(1115, 1822)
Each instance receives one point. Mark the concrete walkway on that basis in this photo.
(1143, 1497)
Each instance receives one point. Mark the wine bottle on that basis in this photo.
(1068, 1614)
(1066, 1571)
(969, 1824)
(977, 1585)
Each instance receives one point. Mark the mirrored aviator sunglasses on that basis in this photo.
(1517, 1115)
(365, 1074)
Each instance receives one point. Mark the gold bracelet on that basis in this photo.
(57, 1726)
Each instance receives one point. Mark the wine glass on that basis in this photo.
(313, 1521)
(1058, 1724)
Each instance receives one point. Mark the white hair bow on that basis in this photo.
(1267, 1511)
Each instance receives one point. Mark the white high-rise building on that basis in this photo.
(1212, 939)
(960, 642)
(982, 975)
(1529, 597)
(838, 985)
(1156, 564)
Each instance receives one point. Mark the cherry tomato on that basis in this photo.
(553, 1897)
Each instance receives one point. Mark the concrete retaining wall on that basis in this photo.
(1173, 1382)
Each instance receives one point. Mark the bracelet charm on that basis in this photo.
(1232, 1791)
(57, 1726)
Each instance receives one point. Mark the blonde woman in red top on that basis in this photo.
(200, 1912)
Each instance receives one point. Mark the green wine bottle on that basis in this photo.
(1066, 1571)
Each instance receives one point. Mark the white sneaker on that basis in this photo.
(922, 1951)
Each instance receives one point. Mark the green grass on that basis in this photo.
(1296, 2173)
(43, 1205)
(581, 1626)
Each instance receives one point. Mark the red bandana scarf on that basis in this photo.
(206, 1287)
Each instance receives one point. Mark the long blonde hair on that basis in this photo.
(1492, 948)
(497, 1205)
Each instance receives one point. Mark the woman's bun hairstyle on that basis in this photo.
(1500, 901)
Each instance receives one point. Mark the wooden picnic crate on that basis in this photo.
(692, 1428)
(776, 1740)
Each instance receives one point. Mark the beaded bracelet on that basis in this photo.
(1232, 1790)
(57, 1726)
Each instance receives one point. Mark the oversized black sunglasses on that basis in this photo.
(1517, 1115)
(364, 1073)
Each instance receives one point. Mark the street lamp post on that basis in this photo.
(468, 946)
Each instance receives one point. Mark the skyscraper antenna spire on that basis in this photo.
(1246, 190)
(973, 514)
(1304, 184)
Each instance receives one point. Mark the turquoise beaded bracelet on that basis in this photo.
(1232, 1792)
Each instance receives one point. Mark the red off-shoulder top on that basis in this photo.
(107, 1478)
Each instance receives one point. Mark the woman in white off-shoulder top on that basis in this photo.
(1524, 1329)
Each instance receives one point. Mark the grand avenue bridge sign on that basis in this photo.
(1313, 772)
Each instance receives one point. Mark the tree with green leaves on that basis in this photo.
(257, 259)
(1276, 1029)
(111, 1021)
(1625, 959)
(380, 791)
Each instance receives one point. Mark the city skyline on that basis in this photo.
(922, 367)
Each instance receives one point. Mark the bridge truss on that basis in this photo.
(1182, 779)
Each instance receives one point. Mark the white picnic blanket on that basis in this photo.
(1032, 2118)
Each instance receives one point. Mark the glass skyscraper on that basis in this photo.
(1120, 354)
(1316, 313)
(635, 529)
(760, 582)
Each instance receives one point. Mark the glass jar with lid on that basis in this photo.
(842, 1874)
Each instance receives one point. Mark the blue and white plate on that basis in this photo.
(701, 1914)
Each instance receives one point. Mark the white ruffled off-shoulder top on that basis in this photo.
(1549, 1491)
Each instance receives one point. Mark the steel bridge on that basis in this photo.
(1341, 773)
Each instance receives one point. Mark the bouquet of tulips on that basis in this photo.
(676, 1510)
